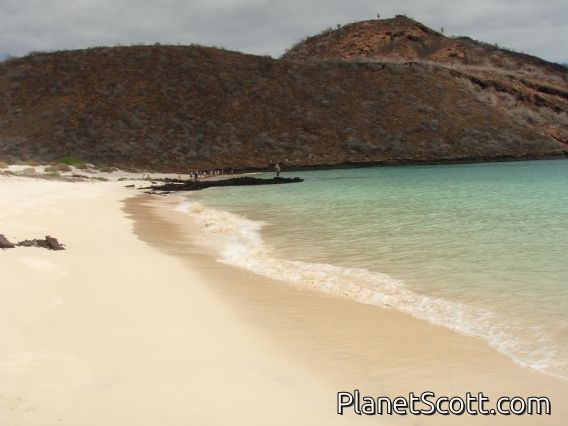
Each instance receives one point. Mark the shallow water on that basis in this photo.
(481, 249)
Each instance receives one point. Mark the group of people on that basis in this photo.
(201, 174)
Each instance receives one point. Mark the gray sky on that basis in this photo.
(537, 27)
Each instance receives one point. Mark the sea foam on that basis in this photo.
(239, 243)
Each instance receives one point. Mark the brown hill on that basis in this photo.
(528, 89)
(403, 39)
(177, 108)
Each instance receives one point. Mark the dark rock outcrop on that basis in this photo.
(190, 185)
(49, 243)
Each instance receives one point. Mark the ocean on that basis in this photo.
(479, 248)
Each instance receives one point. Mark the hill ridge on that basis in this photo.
(185, 107)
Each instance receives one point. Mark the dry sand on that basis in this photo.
(137, 324)
(115, 332)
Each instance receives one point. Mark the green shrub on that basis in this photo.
(101, 178)
(70, 161)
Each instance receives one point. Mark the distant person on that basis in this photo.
(277, 170)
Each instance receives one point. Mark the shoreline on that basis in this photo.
(136, 323)
(258, 241)
(400, 163)
(408, 355)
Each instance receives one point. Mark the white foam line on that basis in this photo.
(239, 242)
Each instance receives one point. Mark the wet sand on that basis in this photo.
(347, 345)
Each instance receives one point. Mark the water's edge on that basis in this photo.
(239, 242)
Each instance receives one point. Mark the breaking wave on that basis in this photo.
(239, 243)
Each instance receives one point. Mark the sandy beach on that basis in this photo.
(136, 323)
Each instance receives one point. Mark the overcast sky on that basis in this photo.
(537, 27)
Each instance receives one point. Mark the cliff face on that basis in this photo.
(176, 108)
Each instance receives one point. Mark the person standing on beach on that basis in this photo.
(276, 170)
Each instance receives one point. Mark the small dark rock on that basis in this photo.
(4, 243)
(49, 243)
(32, 243)
(53, 244)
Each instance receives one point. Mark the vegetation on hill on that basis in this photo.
(177, 108)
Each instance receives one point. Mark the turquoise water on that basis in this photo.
(480, 248)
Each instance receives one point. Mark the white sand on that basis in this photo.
(114, 332)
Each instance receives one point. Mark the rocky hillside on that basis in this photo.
(176, 108)
(403, 39)
(528, 89)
